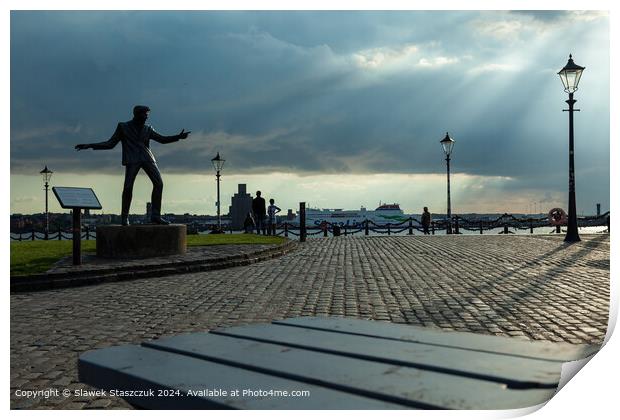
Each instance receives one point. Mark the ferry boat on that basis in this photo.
(385, 213)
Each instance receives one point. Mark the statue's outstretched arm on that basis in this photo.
(104, 145)
(168, 139)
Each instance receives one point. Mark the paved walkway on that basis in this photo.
(524, 286)
(90, 262)
(96, 270)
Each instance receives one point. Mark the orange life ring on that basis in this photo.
(557, 217)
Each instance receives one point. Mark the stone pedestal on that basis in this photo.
(141, 241)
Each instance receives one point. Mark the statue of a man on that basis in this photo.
(135, 135)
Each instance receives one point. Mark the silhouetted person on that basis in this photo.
(272, 210)
(258, 208)
(426, 221)
(135, 136)
(248, 224)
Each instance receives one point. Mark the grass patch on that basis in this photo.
(234, 239)
(34, 257)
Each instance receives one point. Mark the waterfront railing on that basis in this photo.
(57, 235)
(506, 223)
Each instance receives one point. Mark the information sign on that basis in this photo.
(74, 197)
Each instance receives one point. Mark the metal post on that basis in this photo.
(410, 227)
(366, 227)
(389, 224)
(47, 218)
(77, 236)
(456, 225)
(449, 227)
(219, 220)
(481, 227)
(433, 227)
(302, 222)
(32, 234)
(286, 229)
(531, 226)
(572, 233)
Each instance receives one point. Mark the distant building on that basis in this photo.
(241, 205)
(290, 215)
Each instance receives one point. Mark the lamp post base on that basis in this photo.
(572, 237)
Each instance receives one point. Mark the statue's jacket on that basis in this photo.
(135, 140)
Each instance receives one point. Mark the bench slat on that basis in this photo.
(504, 345)
(132, 368)
(395, 383)
(511, 370)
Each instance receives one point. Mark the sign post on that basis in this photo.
(302, 222)
(77, 199)
(77, 236)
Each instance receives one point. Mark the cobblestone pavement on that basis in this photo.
(92, 262)
(524, 286)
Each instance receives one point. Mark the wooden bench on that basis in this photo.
(332, 363)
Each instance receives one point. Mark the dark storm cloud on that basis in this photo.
(321, 92)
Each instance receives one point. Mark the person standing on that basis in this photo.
(258, 208)
(426, 221)
(272, 210)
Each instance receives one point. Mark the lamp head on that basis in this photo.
(47, 174)
(570, 75)
(447, 143)
(218, 162)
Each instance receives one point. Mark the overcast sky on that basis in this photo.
(340, 109)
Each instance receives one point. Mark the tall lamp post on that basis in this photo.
(448, 143)
(570, 75)
(47, 175)
(218, 164)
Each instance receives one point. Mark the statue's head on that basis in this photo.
(141, 113)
